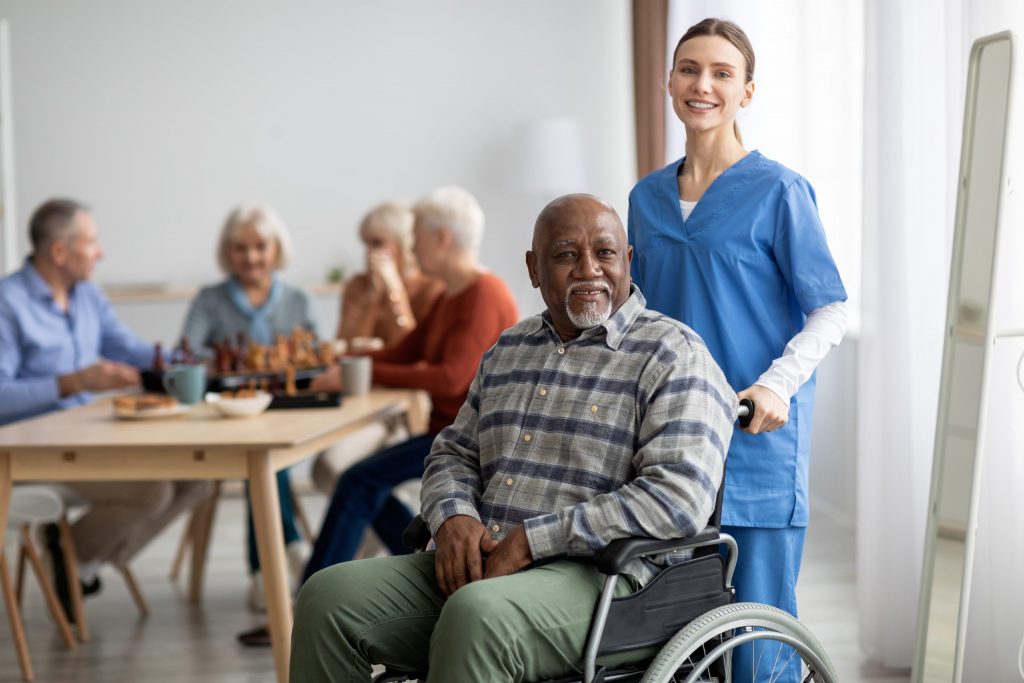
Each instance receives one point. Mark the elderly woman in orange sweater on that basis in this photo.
(440, 356)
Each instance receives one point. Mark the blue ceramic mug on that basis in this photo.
(187, 383)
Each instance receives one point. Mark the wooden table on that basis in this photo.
(88, 443)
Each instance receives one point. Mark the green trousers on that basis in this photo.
(529, 626)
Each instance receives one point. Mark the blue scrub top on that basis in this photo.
(743, 271)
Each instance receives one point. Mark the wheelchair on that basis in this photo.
(689, 609)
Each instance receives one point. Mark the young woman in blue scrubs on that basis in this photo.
(730, 243)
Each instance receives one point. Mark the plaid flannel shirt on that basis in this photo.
(620, 432)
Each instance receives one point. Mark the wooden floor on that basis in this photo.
(182, 644)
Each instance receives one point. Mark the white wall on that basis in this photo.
(162, 115)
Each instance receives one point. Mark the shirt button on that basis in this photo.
(495, 528)
(593, 409)
(401, 320)
(527, 437)
(508, 481)
(561, 350)
(543, 392)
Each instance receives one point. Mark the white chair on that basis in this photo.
(31, 505)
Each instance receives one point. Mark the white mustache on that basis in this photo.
(589, 285)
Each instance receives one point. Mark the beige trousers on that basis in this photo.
(123, 516)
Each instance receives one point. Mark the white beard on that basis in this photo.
(593, 313)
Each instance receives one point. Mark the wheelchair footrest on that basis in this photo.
(675, 597)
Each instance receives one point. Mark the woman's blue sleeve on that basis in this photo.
(801, 251)
(631, 237)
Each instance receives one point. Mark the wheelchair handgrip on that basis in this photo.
(619, 553)
(417, 534)
(746, 412)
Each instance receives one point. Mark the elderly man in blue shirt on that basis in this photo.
(60, 342)
(596, 420)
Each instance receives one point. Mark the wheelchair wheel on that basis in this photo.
(702, 651)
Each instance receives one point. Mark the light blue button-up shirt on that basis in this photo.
(39, 342)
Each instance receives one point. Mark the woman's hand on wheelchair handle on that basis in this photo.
(509, 555)
(770, 411)
(458, 559)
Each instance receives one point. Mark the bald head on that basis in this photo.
(579, 262)
(578, 208)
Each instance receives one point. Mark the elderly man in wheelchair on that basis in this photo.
(568, 504)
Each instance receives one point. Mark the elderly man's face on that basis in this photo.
(78, 254)
(580, 262)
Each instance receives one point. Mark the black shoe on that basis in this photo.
(258, 637)
(94, 586)
(60, 576)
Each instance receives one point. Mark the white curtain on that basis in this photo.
(915, 78)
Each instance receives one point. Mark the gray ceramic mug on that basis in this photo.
(356, 373)
(187, 383)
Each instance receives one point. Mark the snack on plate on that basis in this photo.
(143, 402)
(245, 392)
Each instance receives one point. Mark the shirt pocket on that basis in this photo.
(503, 410)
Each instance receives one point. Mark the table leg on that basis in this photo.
(266, 517)
(417, 413)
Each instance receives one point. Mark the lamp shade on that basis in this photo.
(551, 157)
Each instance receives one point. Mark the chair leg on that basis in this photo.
(183, 545)
(201, 534)
(28, 549)
(300, 516)
(67, 544)
(17, 628)
(133, 588)
(19, 581)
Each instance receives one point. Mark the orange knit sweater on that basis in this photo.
(442, 354)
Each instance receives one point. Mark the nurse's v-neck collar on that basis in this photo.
(719, 195)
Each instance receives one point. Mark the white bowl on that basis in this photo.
(240, 407)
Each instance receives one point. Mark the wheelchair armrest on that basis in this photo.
(620, 552)
(417, 534)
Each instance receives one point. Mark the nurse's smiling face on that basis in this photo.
(580, 262)
(708, 83)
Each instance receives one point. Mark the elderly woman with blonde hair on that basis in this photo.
(254, 245)
(386, 301)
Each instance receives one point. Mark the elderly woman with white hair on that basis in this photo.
(440, 356)
(253, 300)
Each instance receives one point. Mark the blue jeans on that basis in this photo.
(766, 572)
(363, 497)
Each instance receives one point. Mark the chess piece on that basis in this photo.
(289, 382)
(158, 357)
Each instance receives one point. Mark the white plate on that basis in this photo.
(240, 407)
(169, 411)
